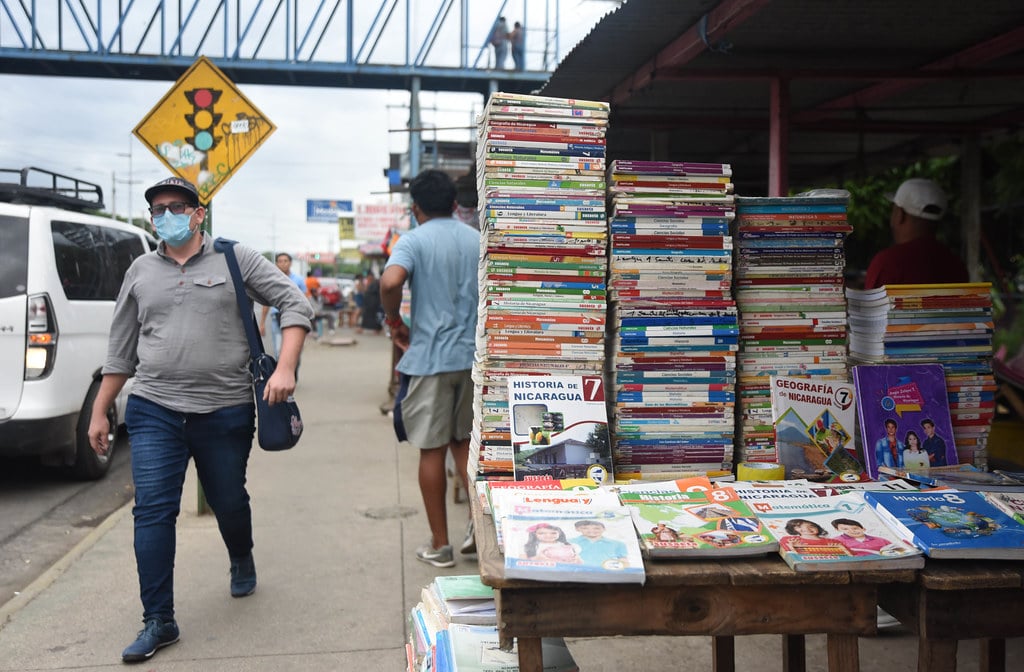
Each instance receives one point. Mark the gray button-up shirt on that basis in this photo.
(178, 330)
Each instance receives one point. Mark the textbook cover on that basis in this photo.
(814, 428)
(559, 428)
(947, 524)
(904, 415)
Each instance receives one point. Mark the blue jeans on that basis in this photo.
(162, 442)
(275, 334)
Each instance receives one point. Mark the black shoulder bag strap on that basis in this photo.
(227, 248)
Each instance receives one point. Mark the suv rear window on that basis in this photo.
(13, 255)
(92, 260)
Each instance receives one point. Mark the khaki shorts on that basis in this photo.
(435, 410)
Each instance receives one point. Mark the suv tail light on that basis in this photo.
(40, 338)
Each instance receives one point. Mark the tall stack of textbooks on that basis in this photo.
(673, 358)
(950, 324)
(544, 230)
(789, 289)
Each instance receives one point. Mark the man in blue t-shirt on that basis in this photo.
(595, 548)
(434, 403)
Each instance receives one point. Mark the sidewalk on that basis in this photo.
(336, 522)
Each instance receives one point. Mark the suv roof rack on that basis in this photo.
(37, 186)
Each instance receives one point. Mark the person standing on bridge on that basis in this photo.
(517, 39)
(177, 329)
(499, 40)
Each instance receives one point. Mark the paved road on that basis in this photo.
(45, 513)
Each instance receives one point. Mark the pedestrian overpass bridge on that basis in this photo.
(436, 45)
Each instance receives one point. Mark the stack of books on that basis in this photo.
(672, 362)
(454, 627)
(789, 289)
(949, 324)
(541, 180)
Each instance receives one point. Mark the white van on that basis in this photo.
(60, 273)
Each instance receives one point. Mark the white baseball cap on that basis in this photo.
(922, 198)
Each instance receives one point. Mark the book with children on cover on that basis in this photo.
(701, 523)
(904, 416)
(840, 532)
(559, 427)
(572, 542)
(951, 524)
(814, 427)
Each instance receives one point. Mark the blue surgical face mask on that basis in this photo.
(173, 229)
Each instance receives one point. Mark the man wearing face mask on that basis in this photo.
(177, 329)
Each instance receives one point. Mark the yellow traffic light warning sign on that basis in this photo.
(203, 129)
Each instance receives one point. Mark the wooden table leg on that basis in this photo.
(794, 653)
(531, 656)
(843, 654)
(992, 655)
(723, 654)
(936, 655)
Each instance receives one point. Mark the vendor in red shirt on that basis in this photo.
(916, 256)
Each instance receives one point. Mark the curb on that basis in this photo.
(47, 578)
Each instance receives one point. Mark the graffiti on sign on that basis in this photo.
(204, 129)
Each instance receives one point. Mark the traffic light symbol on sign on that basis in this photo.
(203, 119)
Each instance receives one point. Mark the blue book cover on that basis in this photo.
(947, 524)
(903, 408)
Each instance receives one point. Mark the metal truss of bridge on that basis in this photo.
(379, 44)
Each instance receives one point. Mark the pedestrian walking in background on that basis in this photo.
(177, 329)
(434, 404)
(284, 262)
(371, 316)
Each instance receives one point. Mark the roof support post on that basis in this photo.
(778, 138)
(414, 125)
(970, 205)
(659, 146)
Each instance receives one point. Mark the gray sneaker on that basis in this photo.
(438, 557)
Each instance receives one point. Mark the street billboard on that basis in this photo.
(375, 220)
(327, 211)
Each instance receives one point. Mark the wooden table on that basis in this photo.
(718, 598)
(960, 599)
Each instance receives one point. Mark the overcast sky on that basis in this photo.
(329, 143)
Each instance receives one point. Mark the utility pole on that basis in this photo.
(131, 182)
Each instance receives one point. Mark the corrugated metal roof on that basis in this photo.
(870, 82)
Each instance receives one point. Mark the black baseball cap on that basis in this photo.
(174, 184)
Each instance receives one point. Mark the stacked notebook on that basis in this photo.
(541, 180)
(789, 289)
(674, 323)
(950, 324)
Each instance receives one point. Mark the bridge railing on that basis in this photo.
(406, 33)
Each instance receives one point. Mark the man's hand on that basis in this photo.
(280, 386)
(99, 433)
(400, 336)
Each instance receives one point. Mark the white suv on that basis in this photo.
(60, 272)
